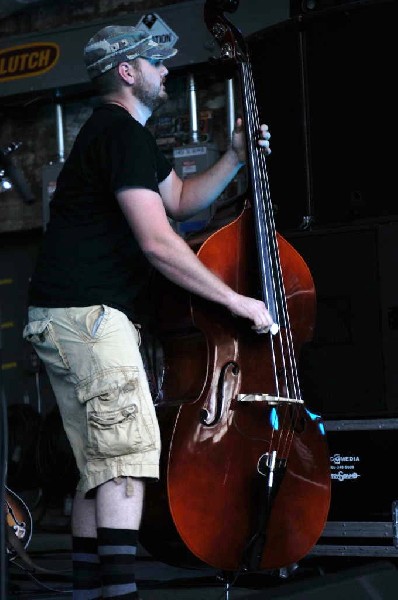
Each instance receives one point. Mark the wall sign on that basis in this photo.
(155, 26)
(27, 60)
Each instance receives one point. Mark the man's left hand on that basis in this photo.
(239, 143)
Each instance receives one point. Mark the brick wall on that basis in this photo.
(32, 121)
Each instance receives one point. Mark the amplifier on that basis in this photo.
(363, 515)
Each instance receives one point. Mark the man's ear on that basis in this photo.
(126, 72)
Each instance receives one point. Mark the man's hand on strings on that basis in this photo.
(254, 310)
(264, 139)
(239, 141)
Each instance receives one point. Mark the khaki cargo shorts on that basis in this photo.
(93, 361)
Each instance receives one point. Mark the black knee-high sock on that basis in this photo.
(86, 569)
(116, 550)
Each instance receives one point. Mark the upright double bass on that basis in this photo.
(245, 481)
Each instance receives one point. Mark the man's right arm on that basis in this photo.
(172, 256)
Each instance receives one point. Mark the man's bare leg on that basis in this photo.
(85, 561)
(119, 509)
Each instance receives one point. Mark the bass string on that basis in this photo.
(271, 271)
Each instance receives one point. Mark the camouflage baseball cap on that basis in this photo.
(114, 44)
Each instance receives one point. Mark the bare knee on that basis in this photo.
(119, 503)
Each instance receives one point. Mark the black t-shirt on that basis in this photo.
(89, 254)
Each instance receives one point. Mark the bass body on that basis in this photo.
(218, 420)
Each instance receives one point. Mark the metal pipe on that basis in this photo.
(193, 110)
(60, 132)
(309, 217)
(230, 96)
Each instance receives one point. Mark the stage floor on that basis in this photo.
(158, 581)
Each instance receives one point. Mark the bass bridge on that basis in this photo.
(271, 400)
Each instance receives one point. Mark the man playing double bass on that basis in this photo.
(108, 226)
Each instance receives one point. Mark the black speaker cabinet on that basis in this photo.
(325, 85)
(349, 367)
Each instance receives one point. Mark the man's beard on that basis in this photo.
(150, 98)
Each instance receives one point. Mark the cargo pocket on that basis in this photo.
(42, 336)
(118, 423)
(35, 331)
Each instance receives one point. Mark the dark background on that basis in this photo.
(325, 83)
